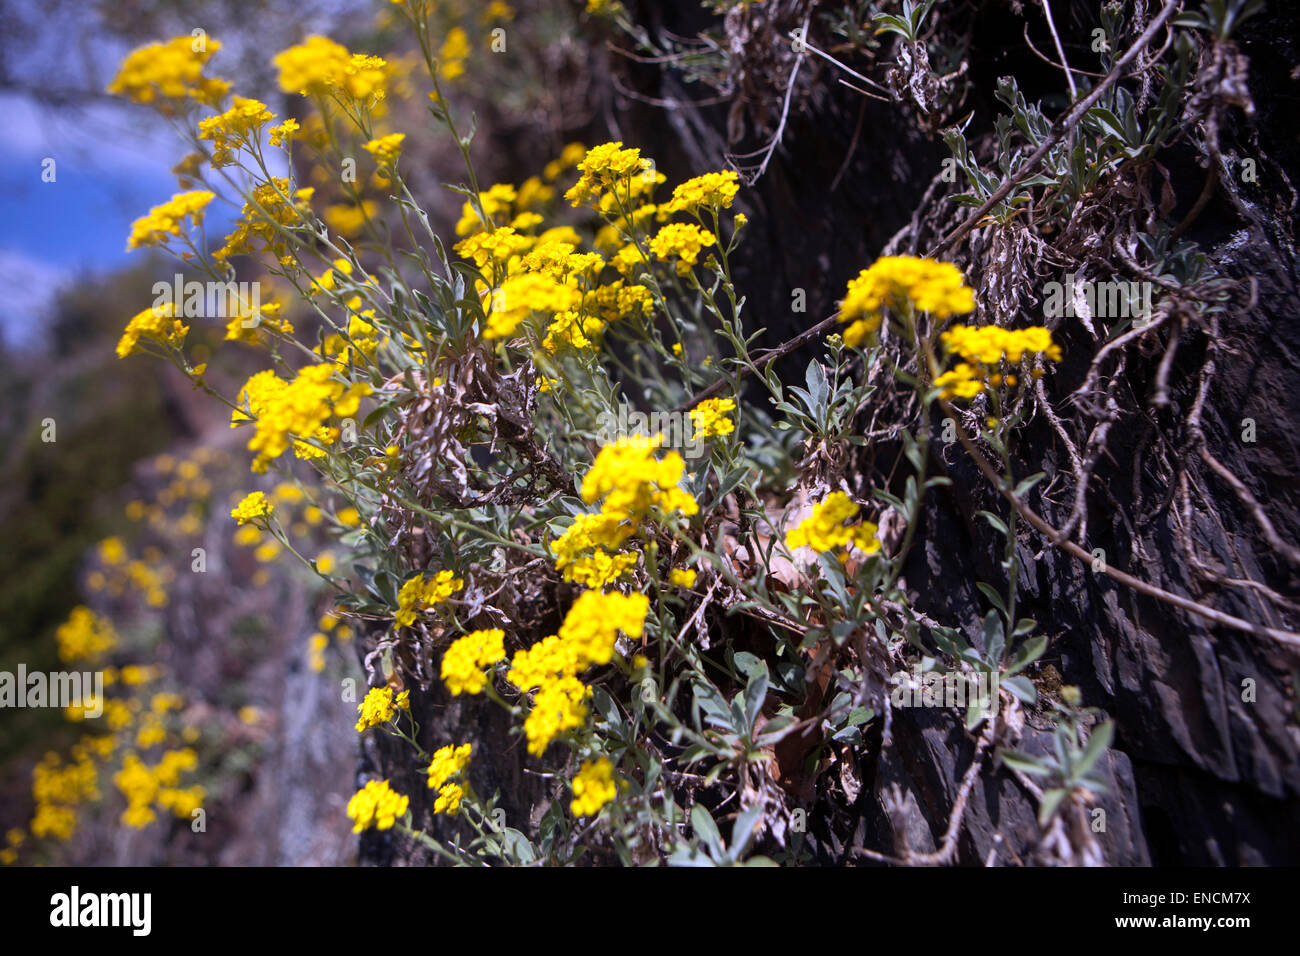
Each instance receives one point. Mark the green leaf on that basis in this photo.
(1024, 763)
(1027, 483)
(1023, 688)
(993, 637)
(755, 695)
(994, 520)
(742, 833)
(994, 597)
(1098, 743)
(1029, 652)
(1051, 800)
(706, 830)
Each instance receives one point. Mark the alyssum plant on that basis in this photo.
(456, 396)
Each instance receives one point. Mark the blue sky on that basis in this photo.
(112, 164)
(114, 159)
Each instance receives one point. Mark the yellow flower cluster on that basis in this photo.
(496, 203)
(240, 329)
(376, 805)
(167, 219)
(57, 788)
(551, 666)
(158, 324)
(681, 241)
(235, 128)
(631, 481)
(145, 786)
(521, 295)
(448, 764)
(589, 532)
(291, 411)
(161, 73)
(546, 274)
(593, 787)
(711, 191)
(709, 418)
(84, 635)
(569, 330)
(990, 344)
(385, 149)
(682, 577)
(14, 838)
(463, 662)
(254, 505)
(825, 529)
(605, 170)
(594, 622)
(897, 282)
(559, 707)
(983, 349)
(319, 66)
(599, 569)
(453, 53)
(272, 205)
(379, 706)
(495, 248)
(419, 593)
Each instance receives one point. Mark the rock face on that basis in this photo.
(1205, 765)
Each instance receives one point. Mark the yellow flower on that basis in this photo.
(558, 708)
(593, 787)
(825, 529)
(84, 635)
(418, 593)
(709, 417)
(586, 637)
(287, 412)
(522, 295)
(498, 246)
(112, 551)
(895, 282)
(448, 763)
(376, 804)
(235, 128)
(255, 505)
(182, 802)
(599, 569)
(496, 203)
(167, 219)
(452, 55)
(377, 708)
(712, 190)
(319, 66)
(632, 482)
(613, 168)
(156, 324)
(569, 157)
(464, 660)
(984, 349)
(682, 577)
(595, 620)
(163, 72)
(385, 149)
(683, 242)
(449, 798)
(273, 205)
